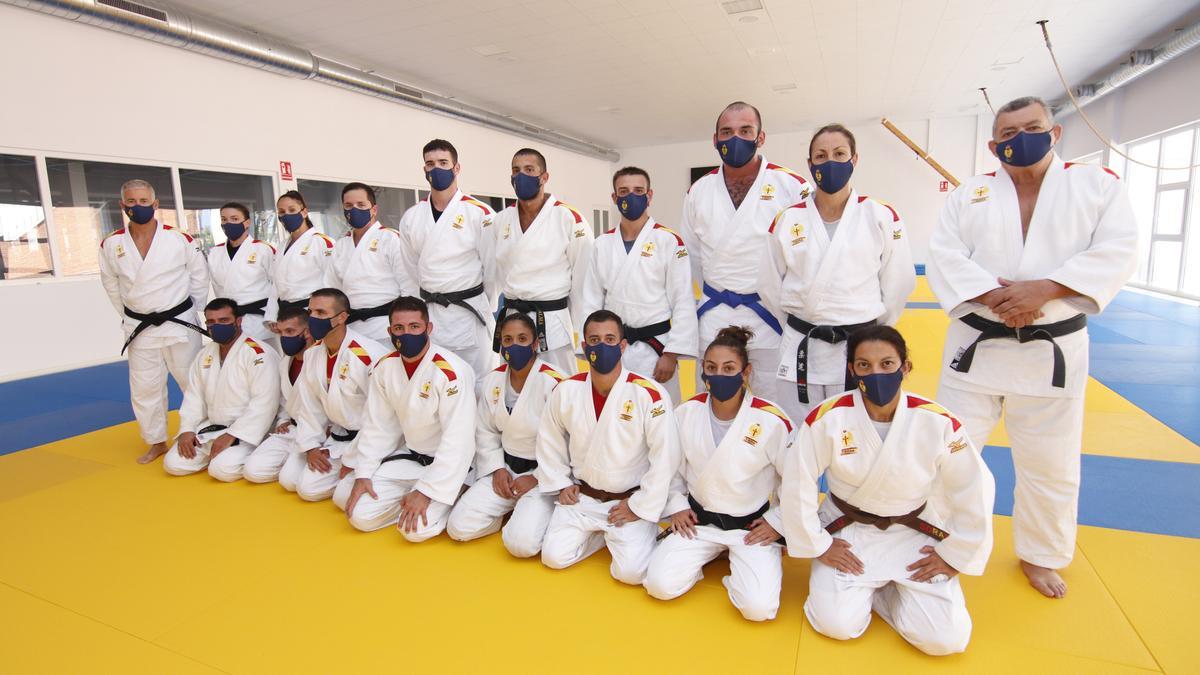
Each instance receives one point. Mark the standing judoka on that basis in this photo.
(640, 270)
(1019, 258)
(446, 240)
(302, 260)
(242, 269)
(367, 264)
(542, 248)
(726, 215)
(231, 399)
(331, 394)
(264, 464)
(833, 264)
(156, 278)
(418, 434)
(609, 447)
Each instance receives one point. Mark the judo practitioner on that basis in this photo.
(302, 260)
(264, 464)
(242, 269)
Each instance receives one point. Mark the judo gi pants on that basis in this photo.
(310, 485)
(755, 571)
(579, 530)
(374, 513)
(480, 511)
(789, 400)
(641, 358)
(227, 466)
(561, 359)
(1047, 438)
(148, 368)
(264, 464)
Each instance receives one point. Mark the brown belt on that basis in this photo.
(853, 514)
(604, 495)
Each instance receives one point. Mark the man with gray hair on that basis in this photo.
(157, 280)
(1018, 259)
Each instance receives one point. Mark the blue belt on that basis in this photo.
(751, 300)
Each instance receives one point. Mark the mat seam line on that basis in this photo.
(1124, 614)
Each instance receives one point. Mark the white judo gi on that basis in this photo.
(649, 284)
(331, 396)
(736, 477)
(632, 444)
(239, 395)
(864, 274)
(926, 452)
(505, 437)
(264, 464)
(248, 279)
(1082, 235)
(432, 414)
(547, 262)
(453, 256)
(372, 274)
(172, 273)
(300, 266)
(726, 248)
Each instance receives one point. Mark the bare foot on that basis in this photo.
(1045, 580)
(157, 450)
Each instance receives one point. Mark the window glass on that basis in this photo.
(24, 242)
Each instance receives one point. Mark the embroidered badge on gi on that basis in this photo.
(304, 251)
(681, 253)
(458, 221)
(507, 230)
(626, 410)
(755, 432)
(798, 234)
(768, 192)
(487, 222)
(424, 391)
(981, 194)
(451, 391)
(580, 233)
(848, 447)
(648, 249)
(257, 362)
(956, 445)
(120, 251)
(343, 370)
(252, 259)
(374, 245)
(896, 234)
(207, 361)
(656, 411)
(495, 395)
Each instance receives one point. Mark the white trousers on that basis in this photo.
(480, 510)
(148, 368)
(763, 381)
(579, 530)
(641, 358)
(1047, 439)
(227, 466)
(482, 360)
(264, 464)
(311, 486)
(254, 326)
(797, 411)
(755, 571)
(375, 328)
(371, 513)
(562, 359)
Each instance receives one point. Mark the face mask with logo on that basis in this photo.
(292, 221)
(723, 387)
(736, 151)
(292, 344)
(319, 328)
(358, 218)
(410, 344)
(517, 356)
(1025, 149)
(233, 230)
(832, 176)
(140, 213)
(222, 333)
(602, 358)
(632, 206)
(440, 179)
(525, 186)
(880, 388)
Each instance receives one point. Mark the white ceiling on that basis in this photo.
(626, 73)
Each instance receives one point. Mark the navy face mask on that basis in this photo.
(140, 213)
(233, 230)
(632, 206)
(832, 176)
(292, 344)
(526, 187)
(723, 387)
(319, 328)
(517, 356)
(1025, 149)
(410, 344)
(880, 388)
(440, 179)
(292, 221)
(358, 218)
(222, 333)
(603, 358)
(736, 151)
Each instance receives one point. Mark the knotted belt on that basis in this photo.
(604, 495)
(519, 464)
(731, 299)
(370, 312)
(158, 319)
(831, 334)
(457, 298)
(257, 307)
(412, 456)
(853, 514)
(994, 330)
(288, 304)
(536, 307)
(649, 335)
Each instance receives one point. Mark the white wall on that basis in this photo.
(77, 90)
(887, 169)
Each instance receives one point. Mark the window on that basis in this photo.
(324, 199)
(24, 242)
(86, 200)
(599, 221)
(204, 192)
(496, 203)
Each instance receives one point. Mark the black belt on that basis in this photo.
(853, 514)
(994, 330)
(831, 334)
(724, 520)
(423, 460)
(257, 307)
(158, 319)
(457, 298)
(649, 335)
(288, 304)
(370, 312)
(344, 438)
(519, 464)
(218, 427)
(536, 307)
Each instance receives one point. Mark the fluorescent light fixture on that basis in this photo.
(739, 6)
